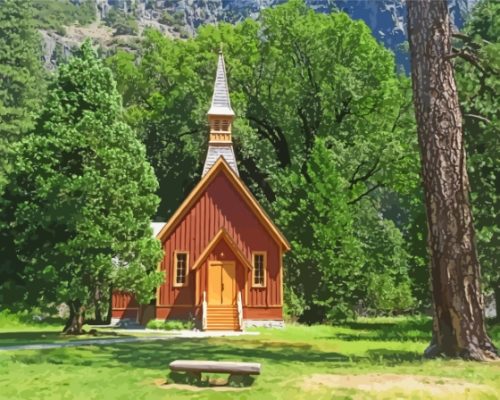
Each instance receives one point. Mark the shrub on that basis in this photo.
(170, 325)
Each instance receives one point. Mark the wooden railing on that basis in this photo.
(204, 311)
(240, 311)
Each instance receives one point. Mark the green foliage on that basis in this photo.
(81, 194)
(170, 325)
(176, 19)
(308, 89)
(340, 260)
(22, 88)
(124, 24)
(54, 14)
(324, 267)
(478, 87)
(21, 83)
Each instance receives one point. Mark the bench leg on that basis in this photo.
(195, 377)
(190, 378)
(240, 380)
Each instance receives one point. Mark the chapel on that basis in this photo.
(223, 255)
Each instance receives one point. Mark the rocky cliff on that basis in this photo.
(386, 18)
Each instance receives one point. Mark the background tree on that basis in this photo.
(21, 75)
(82, 194)
(459, 326)
(478, 70)
(295, 77)
(21, 90)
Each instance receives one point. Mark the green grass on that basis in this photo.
(130, 370)
(22, 328)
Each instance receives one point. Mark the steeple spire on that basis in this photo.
(221, 103)
(220, 119)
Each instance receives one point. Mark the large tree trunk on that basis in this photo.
(74, 325)
(459, 322)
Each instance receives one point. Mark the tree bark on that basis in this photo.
(459, 322)
(74, 325)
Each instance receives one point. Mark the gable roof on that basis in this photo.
(222, 166)
(225, 236)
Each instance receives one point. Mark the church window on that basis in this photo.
(180, 268)
(259, 269)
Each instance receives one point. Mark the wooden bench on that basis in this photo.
(195, 367)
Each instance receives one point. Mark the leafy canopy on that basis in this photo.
(308, 89)
(82, 194)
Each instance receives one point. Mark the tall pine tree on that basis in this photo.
(82, 195)
(21, 74)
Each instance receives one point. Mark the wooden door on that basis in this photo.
(221, 283)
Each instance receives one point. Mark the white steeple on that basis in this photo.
(221, 104)
(220, 118)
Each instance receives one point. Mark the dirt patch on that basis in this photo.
(162, 385)
(94, 30)
(432, 385)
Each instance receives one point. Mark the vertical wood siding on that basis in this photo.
(221, 206)
(122, 300)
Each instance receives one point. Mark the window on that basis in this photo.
(180, 269)
(259, 269)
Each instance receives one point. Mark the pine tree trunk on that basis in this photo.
(459, 322)
(74, 325)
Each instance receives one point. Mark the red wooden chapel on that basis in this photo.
(222, 253)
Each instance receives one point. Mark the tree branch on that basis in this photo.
(367, 175)
(478, 117)
(365, 194)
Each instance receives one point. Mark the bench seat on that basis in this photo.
(198, 366)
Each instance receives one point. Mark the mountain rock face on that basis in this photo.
(386, 18)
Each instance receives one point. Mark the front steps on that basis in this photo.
(222, 318)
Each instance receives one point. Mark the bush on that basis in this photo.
(167, 19)
(170, 325)
(53, 14)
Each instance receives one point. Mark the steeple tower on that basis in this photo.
(220, 119)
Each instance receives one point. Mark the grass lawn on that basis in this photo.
(18, 330)
(297, 363)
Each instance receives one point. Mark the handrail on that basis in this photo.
(204, 311)
(240, 310)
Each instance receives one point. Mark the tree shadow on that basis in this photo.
(14, 338)
(418, 329)
(158, 354)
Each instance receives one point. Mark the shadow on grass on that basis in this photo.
(40, 337)
(418, 329)
(157, 355)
